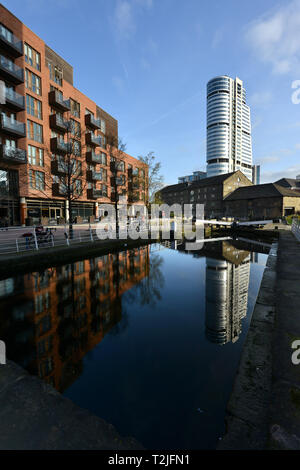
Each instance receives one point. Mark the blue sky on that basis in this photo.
(147, 63)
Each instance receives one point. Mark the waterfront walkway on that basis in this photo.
(263, 411)
(285, 399)
(33, 415)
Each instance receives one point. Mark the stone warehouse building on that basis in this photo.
(264, 201)
(208, 191)
(39, 105)
(290, 183)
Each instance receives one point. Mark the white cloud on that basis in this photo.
(118, 83)
(275, 38)
(272, 176)
(267, 159)
(124, 20)
(217, 38)
(260, 99)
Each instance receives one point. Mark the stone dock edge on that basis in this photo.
(34, 416)
(248, 409)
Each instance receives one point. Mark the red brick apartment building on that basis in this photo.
(37, 99)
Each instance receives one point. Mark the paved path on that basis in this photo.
(285, 402)
(33, 415)
(263, 411)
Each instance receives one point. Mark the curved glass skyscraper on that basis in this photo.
(229, 146)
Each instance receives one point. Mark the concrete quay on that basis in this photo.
(34, 416)
(263, 411)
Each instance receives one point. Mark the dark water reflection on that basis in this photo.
(148, 339)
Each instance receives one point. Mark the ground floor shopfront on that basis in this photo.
(31, 211)
(27, 211)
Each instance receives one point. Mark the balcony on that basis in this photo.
(58, 146)
(12, 127)
(95, 193)
(10, 71)
(59, 190)
(58, 123)
(13, 155)
(92, 157)
(94, 176)
(11, 44)
(59, 168)
(14, 101)
(91, 139)
(58, 101)
(117, 181)
(117, 166)
(92, 122)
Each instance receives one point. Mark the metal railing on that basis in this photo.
(11, 67)
(296, 228)
(26, 239)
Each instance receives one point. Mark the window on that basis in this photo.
(6, 33)
(34, 131)
(76, 146)
(35, 156)
(40, 180)
(75, 128)
(75, 108)
(55, 73)
(34, 107)
(37, 180)
(120, 165)
(32, 57)
(103, 159)
(33, 82)
(103, 126)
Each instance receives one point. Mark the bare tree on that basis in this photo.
(63, 169)
(116, 149)
(155, 180)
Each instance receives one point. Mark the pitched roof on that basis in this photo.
(198, 183)
(261, 190)
(288, 182)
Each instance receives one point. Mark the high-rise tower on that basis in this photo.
(229, 146)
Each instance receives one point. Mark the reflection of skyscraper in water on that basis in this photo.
(226, 299)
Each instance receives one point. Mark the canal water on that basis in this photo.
(148, 339)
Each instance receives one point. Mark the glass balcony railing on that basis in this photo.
(10, 68)
(57, 121)
(14, 44)
(56, 99)
(91, 121)
(98, 176)
(14, 98)
(12, 154)
(96, 157)
(12, 126)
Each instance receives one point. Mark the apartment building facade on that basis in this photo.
(42, 115)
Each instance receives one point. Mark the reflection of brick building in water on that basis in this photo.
(50, 320)
(227, 283)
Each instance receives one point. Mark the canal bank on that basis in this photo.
(263, 411)
(33, 415)
(44, 257)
